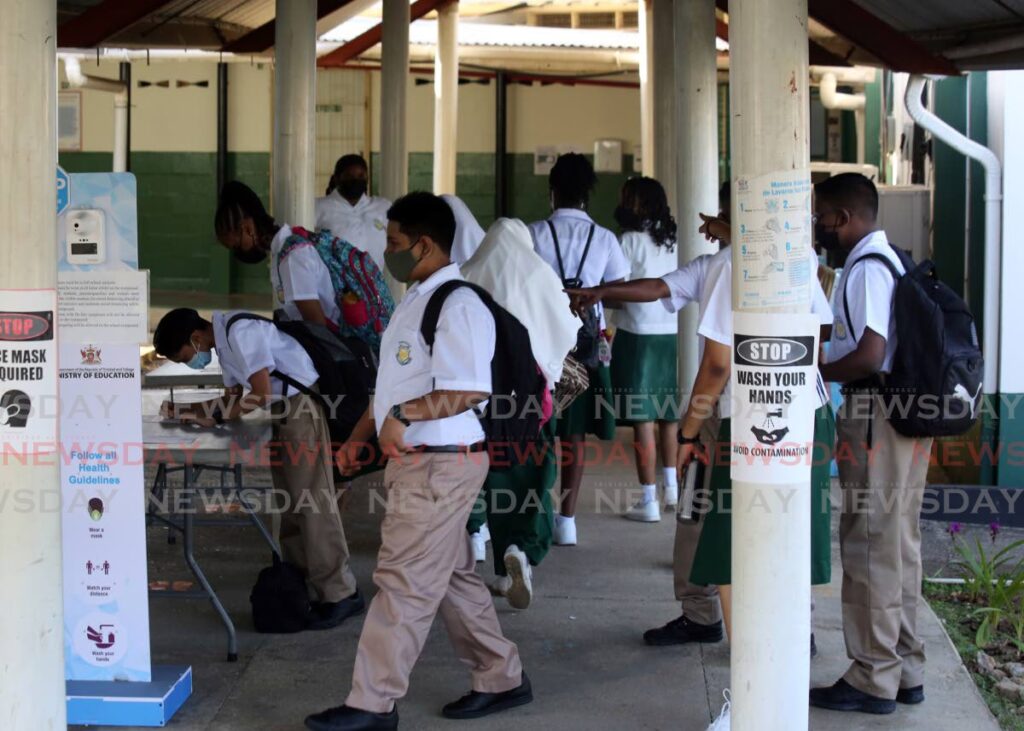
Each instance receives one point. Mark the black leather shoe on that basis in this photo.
(844, 697)
(911, 696)
(681, 631)
(326, 615)
(344, 718)
(478, 705)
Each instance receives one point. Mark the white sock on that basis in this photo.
(668, 475)
(564, 519)
(650, 493)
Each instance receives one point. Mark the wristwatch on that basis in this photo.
(686, 440)
(396, 412)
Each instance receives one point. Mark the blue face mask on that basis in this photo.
(201, 359)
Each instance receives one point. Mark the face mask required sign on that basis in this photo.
(774, 396)
(28, 372)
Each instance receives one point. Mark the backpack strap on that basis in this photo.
(558, 249)
(877, 257)
(432, 313)
(283, 377)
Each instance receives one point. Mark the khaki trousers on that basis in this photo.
(312, 536)
(700, 603)
(425, 565)
(882, 475)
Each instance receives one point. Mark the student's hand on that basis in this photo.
(347, 458)
(687, 453)
(190, 417)
(715, 229)
(581, 300)
(171, 410)
(392, 438)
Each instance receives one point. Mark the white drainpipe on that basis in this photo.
(832, 99)
(79, 80)
(993, 219)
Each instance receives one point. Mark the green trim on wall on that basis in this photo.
(177, 200)
(873, 121)
(1011, 439)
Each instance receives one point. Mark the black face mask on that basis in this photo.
(352, 189)
(250, 256)
(628, 219)
(828, 239)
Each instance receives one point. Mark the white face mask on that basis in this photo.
(6, 414)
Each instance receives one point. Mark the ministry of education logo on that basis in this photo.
(91, 355)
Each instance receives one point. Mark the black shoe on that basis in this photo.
(844, 697)
(911, 696)
(814, 647)
(681, 631)
(478, 705)
(326, 615)
(344, 718)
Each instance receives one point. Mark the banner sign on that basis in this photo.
(774, 395)
(103, 303)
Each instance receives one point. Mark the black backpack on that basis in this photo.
(346, 367)
(589, 335)
(512, 417)
(937, 368)
(280, 604)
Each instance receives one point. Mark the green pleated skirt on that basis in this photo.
(644, 381)
(712, 564)
(516, 503)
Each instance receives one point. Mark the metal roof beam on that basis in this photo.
(261, 39)
(367, 40)
(817, 53)
(104, 20)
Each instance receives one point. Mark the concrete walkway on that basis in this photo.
(580, 641)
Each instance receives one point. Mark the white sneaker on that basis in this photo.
(644, 512)
(565, 531)
(517, 564)
(479, 540)
(671, 496)
(723, 722)
(500, 586)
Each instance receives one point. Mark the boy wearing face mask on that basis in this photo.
(349, 213)
(250, 351)
(300, 282)
(882, 473)
(423, 414)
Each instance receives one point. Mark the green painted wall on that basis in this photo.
(950, 208)
(177, 200)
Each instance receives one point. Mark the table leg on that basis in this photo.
(190, 559)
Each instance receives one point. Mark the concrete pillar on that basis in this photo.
(664, 100)
(394, 79)
(771, 546)
(645, 15)
(295, 112)
(32, 633)
(446, 98)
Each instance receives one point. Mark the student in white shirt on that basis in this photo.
(644, 381)
(300, 282)
(423, 413)
(250, 351)
(349, 213)
(577, 248)
(882, 473)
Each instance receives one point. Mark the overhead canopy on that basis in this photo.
(921, 36)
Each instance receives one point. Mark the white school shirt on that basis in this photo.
(364, 225)
(647, 261)
(461, 360)
(869, 288)
(301, 276)
(605, 260)
(253, 345)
